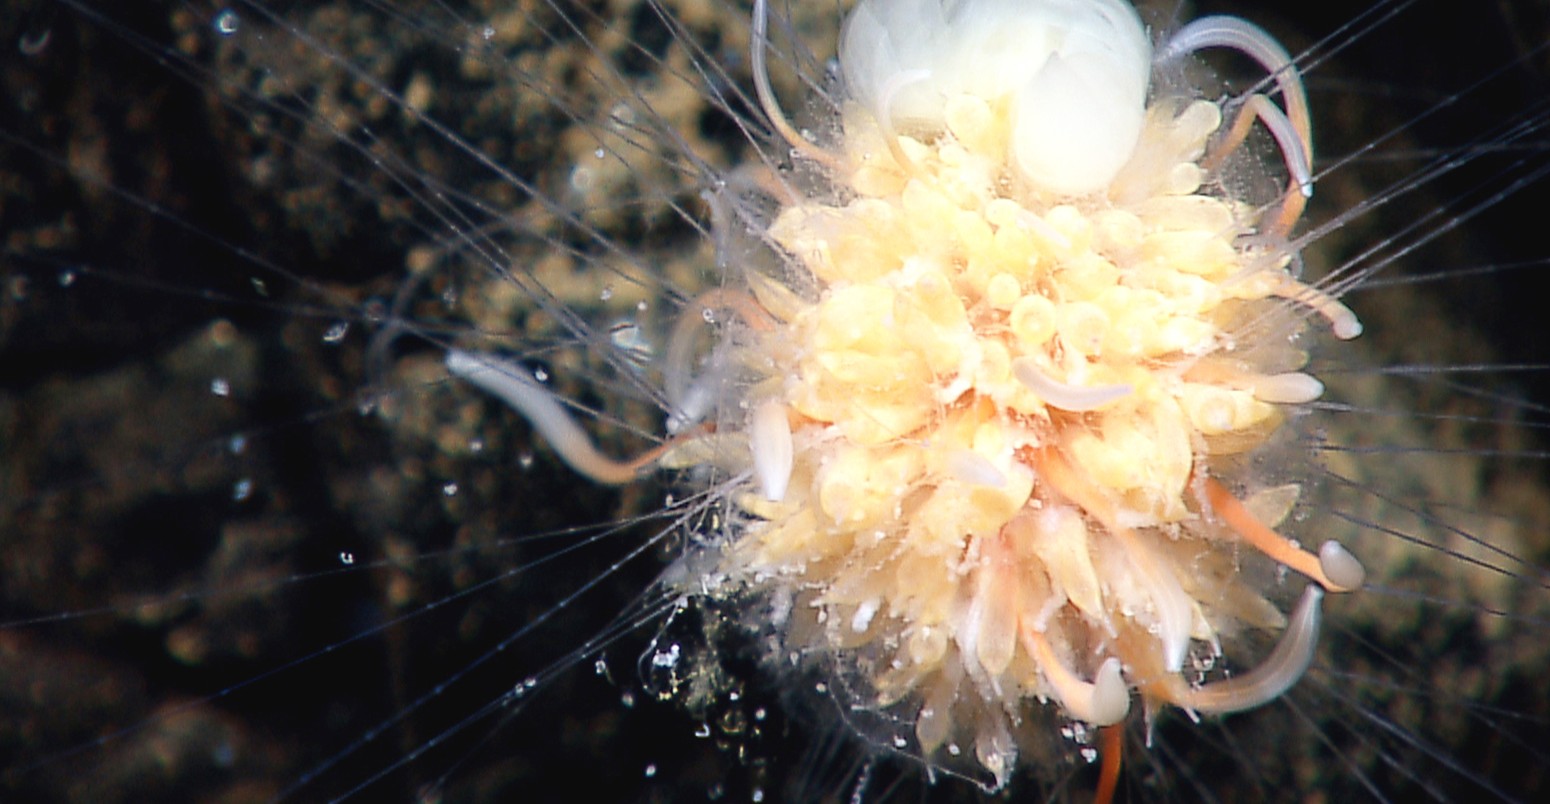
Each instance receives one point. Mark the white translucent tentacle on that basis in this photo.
(514, 385)
(769, 438)
(1252, 41)
(758, 41)
(1103, 702)
(1293, 150)
(1061, 395)
(1281, 669)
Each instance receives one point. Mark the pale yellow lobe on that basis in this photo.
(860, 488)
(1060, 540)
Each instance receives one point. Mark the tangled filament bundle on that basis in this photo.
(983, 417)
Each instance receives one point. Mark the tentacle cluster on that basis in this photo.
(985, 443)
(1010, 395)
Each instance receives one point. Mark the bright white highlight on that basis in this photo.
(1075, 73)
(769, 437)
(1173, 608)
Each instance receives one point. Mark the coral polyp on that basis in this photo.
(982, 423)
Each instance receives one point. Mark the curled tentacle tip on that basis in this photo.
(1282, 669)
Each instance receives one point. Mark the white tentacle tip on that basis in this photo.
(1342, 569)
(1175, 643)
(1103, 702)
(1061, 395)
(1347, 326)
(769, 437)
(1291, 388)
(463, 364)
(1110, 701)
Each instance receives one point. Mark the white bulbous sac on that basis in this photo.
(1074, 74)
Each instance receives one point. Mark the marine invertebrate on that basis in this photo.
(315, 483)
(985, 407)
